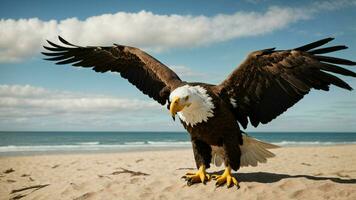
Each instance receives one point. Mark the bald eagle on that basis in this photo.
(264, 86)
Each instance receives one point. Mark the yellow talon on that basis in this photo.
(199, 177)
(228, 181)
(227, 178)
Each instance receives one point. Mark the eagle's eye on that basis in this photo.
(186, 98)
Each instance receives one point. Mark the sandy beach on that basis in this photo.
(295, 173)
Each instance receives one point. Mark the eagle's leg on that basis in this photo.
(226, 177)
(232, 160)
(202, 156)
(199, 177)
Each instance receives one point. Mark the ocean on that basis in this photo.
(25, 143)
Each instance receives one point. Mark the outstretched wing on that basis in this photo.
(268, 82)
(142, 70)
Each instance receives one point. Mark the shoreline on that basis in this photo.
(86, 152)
(132, 150)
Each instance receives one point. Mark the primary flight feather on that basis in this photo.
(264, 86)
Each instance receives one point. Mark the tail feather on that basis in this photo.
(217, 157)
(250, 159)
(253, 151)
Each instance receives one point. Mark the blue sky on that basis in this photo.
(201, 40)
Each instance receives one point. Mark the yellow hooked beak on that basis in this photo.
(176, 106)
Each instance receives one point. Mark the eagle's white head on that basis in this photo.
(192, 104)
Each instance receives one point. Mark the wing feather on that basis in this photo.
(142, 70)
(335, 60)
(270, 81)
(313, 45)
(328, 49)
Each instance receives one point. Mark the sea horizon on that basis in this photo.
(13, 143)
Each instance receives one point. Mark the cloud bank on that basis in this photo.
(26, 104)
(25, 107)
(189, 74)
(23, 38)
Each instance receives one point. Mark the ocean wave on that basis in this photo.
(168, 143)
(310, 143)
(88, 143)
(158, 143)
(97, 146)
(13, 148)
(92, 146)
(135, 143)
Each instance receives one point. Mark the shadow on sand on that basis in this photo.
(267, 177)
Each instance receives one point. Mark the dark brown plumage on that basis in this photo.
(265, 85)
(142, 70)
(268, 82)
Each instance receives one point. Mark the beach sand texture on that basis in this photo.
(295, 173)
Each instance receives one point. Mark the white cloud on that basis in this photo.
(24, 37)
(21, 90)
(25, 107)
(255, 1)
(188, 74)
(331, 5)
(18, 102)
